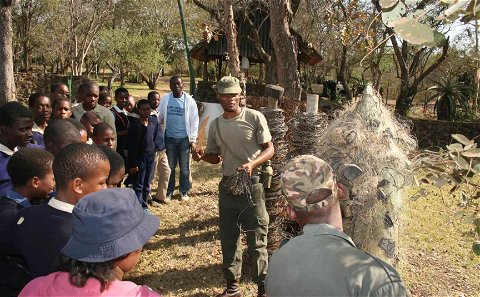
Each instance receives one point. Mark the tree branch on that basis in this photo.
(212, 11)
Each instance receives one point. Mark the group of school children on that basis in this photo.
(66, 228)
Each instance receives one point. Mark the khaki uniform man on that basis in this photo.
(240, 137)
(323, 261)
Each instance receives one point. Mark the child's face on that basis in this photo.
(144, 111)
(89, 124)
(106, 137)
(121, 99)
(96, 180)
(42, 110)
(19, 134)
(155, 101)
(61, 91)
(107, 103)
(46, 185)
(115, 178)
(63, 110)
(130, 105)
(129, 262)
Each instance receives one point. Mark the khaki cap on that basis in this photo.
(228, 85)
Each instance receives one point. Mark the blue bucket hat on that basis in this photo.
(109, 224)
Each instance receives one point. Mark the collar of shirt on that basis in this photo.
(60, 205)
(20, 199)
(181, 96)
(6, 150)
(117, 109)
(35, 128)
(154, 112)
(326, 229)
(132, 114)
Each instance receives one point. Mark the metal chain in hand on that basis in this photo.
(240, 184)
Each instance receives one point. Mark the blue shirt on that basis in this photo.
(176, 127)
(19, 199)
(5, 181)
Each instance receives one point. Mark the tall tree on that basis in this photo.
(414, 63)
(7, 82)
(26, 16)
(231, 36)
(86, 18)
(286, 51)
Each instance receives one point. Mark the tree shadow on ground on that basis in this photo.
(197, 225)
(180, 280)
(182, 240)
(190, 225)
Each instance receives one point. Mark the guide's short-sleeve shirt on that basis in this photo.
(243, 134)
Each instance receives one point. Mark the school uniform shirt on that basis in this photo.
(121, 124)
(13, 273)
(40, 232)
(57, 284)
(143, 140)
(37, 135)
(5, 181)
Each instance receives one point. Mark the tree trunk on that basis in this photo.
(342, 74)
(231, 37)
(402, 105)
(7, 82)
(151, 80)
(26, 57)
(285, 47)
(271, 76)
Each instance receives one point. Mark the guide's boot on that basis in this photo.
(232, 290)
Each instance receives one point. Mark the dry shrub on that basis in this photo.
(365, 133)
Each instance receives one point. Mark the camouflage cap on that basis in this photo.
(308, 182)
(228, 85)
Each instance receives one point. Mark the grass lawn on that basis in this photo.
(436, 246)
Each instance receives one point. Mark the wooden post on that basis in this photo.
(274, 94)
(205, 71)
(220, 64)
(312, 103)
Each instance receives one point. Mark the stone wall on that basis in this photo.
(431, 133)
(28, 83)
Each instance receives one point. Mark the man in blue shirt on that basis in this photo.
(178, 115)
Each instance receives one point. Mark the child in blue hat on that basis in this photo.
(99, 252)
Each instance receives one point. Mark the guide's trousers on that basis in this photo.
(236, 212)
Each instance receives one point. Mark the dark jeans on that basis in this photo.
(141, 184)
(178, 150)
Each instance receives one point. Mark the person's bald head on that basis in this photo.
(59, 134)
